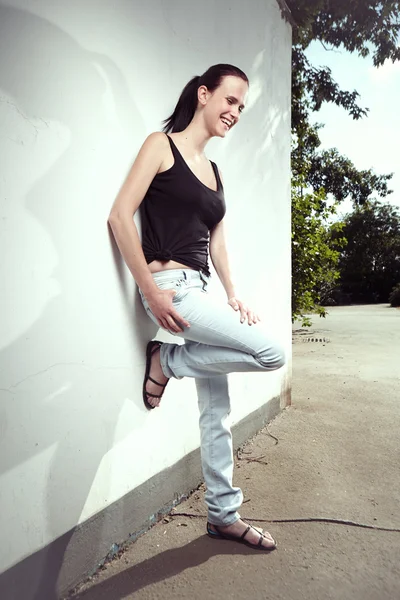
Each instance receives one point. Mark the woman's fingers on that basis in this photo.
(243, 312)
(173, 322)
(166, 322)
(163, 310)
(172, 325)
(179, 318)
(253, 318)
(162, 323)
(250, 317)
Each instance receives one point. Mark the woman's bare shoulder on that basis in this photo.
(153, 150)
(157, 139)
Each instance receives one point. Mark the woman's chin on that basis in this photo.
(221, 132)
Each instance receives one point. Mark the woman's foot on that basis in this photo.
(157, 374)
(252, 537)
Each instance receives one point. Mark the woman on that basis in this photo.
(182, 208)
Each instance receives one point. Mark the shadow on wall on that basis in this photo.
(50, 76)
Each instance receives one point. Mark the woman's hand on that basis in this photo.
(160, 303)
(245, 311)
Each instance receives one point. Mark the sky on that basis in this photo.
(373, 141)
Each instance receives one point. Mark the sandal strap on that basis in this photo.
(152, 395)
(163, 385)
(156, 346)
(245, 533)
(261, 534)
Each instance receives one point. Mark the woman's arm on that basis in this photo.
(219, 255)
(219, 258)
(126, 235)
(126, 204)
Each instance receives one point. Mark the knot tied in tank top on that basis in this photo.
(163, 255)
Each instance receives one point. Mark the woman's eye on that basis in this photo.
(229, 101)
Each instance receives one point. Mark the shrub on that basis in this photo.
(316, 246)
(394, 297)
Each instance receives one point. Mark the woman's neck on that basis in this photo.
(195, 137)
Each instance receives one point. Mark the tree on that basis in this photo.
(363, 26)
(394, 297)
(315, 252)
(330, 172)
(370, 263)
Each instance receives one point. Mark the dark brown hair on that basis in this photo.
(187, 103)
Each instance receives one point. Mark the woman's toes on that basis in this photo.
(153, 401)
(268, 540)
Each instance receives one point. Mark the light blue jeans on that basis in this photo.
(216, 343)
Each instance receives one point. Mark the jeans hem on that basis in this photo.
(235, 518)
(164, 367)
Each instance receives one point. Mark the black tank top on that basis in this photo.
(178, 212)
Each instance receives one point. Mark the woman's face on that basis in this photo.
(223, 106)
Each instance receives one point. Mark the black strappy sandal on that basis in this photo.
(151, 348)
(241, 540)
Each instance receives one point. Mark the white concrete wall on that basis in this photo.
(81, 85)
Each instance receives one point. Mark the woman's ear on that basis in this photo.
(202, 95)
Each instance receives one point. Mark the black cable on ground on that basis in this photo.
(303, 520)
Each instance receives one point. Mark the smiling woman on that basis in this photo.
(181, 196)
(215, 77)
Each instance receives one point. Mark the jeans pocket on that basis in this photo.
(180, 288)
(177, 285)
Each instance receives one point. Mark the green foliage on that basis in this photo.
(333, 173)
(366, 27)
(394, 297)
(337, 175)
(311, 86)
(370, 263)
(314, 255)
(362, 26)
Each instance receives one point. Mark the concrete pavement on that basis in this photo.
(337, 458)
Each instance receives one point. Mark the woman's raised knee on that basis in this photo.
(272, 358)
